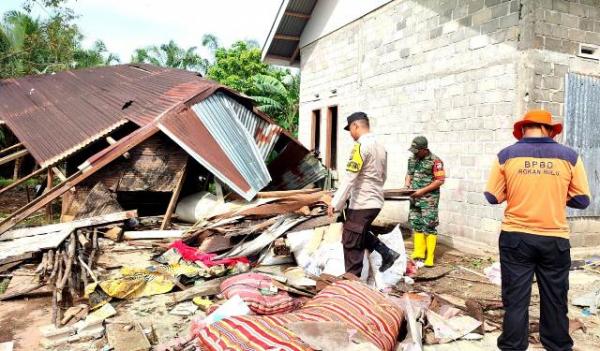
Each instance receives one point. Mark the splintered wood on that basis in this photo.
(68, 269)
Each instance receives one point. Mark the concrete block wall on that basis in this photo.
(452, 70)
(555, 30)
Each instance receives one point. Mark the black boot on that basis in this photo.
(388, 256)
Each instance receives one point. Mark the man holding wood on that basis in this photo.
(538, 178)
(363, 185)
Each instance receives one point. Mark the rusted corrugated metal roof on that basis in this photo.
(55, 115)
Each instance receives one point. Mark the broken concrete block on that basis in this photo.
(184, 309)
(127, 340)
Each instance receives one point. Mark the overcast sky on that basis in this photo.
(125, 25)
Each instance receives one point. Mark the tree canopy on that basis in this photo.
(31, 46)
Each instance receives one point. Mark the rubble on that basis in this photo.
(230, 232)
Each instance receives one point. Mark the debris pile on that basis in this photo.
(179, 217)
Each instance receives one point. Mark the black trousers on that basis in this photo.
(356, 238)
(522, 255)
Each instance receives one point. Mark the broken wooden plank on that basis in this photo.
(80, 223)
(13, 156)
(22, 284)
(18, 258)
(153, 234)
(174, 198)
(8, 266)
(208, 288)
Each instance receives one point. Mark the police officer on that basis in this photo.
(425, 175)
(363, 184)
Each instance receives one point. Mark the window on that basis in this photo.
(315, 141)
(582, 103)
(332, 128)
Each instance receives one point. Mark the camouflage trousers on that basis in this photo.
(423, 215)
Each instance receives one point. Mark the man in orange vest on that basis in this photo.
(537, 177)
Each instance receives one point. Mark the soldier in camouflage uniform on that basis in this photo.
(425, 175)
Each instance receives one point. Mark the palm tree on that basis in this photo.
(98, 55)
(170, 55)
(16, 30)
(279, 98)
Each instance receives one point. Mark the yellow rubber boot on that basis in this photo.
(431, 241)
(419, 246)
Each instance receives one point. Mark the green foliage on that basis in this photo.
(4, 182)
(236, 66)
(279, 98)
(31, 46)
(275, 90)
(170, 55)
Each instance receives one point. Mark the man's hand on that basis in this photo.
(330, 211)
(417, 194)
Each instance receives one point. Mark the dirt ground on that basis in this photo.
(466, 285)
(20, 319)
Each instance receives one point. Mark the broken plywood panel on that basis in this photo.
(36, 243)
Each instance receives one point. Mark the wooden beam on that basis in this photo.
(286, 37)
(17, 168)
(11, 148)
(49, 179)
(13, 156)
(295, 54)
(173, 202)
(22, 180)
(59, 174)
(297, 14)
(90, 167)
(110, 140)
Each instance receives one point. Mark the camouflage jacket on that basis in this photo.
(425, 171)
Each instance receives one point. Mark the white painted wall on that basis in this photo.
(330, 15)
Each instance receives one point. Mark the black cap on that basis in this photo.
(355, 117)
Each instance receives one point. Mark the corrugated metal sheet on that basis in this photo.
(223, 124)
(55, 115)
(582, 117)
(188, 131)
(265, 134)
(295, 168)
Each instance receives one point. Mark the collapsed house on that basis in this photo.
(139, 136)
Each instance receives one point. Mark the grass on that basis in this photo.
(4, 182)
(4, 285)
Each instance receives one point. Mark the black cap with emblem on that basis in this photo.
(355, 117)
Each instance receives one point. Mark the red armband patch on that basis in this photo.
(438, 170)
